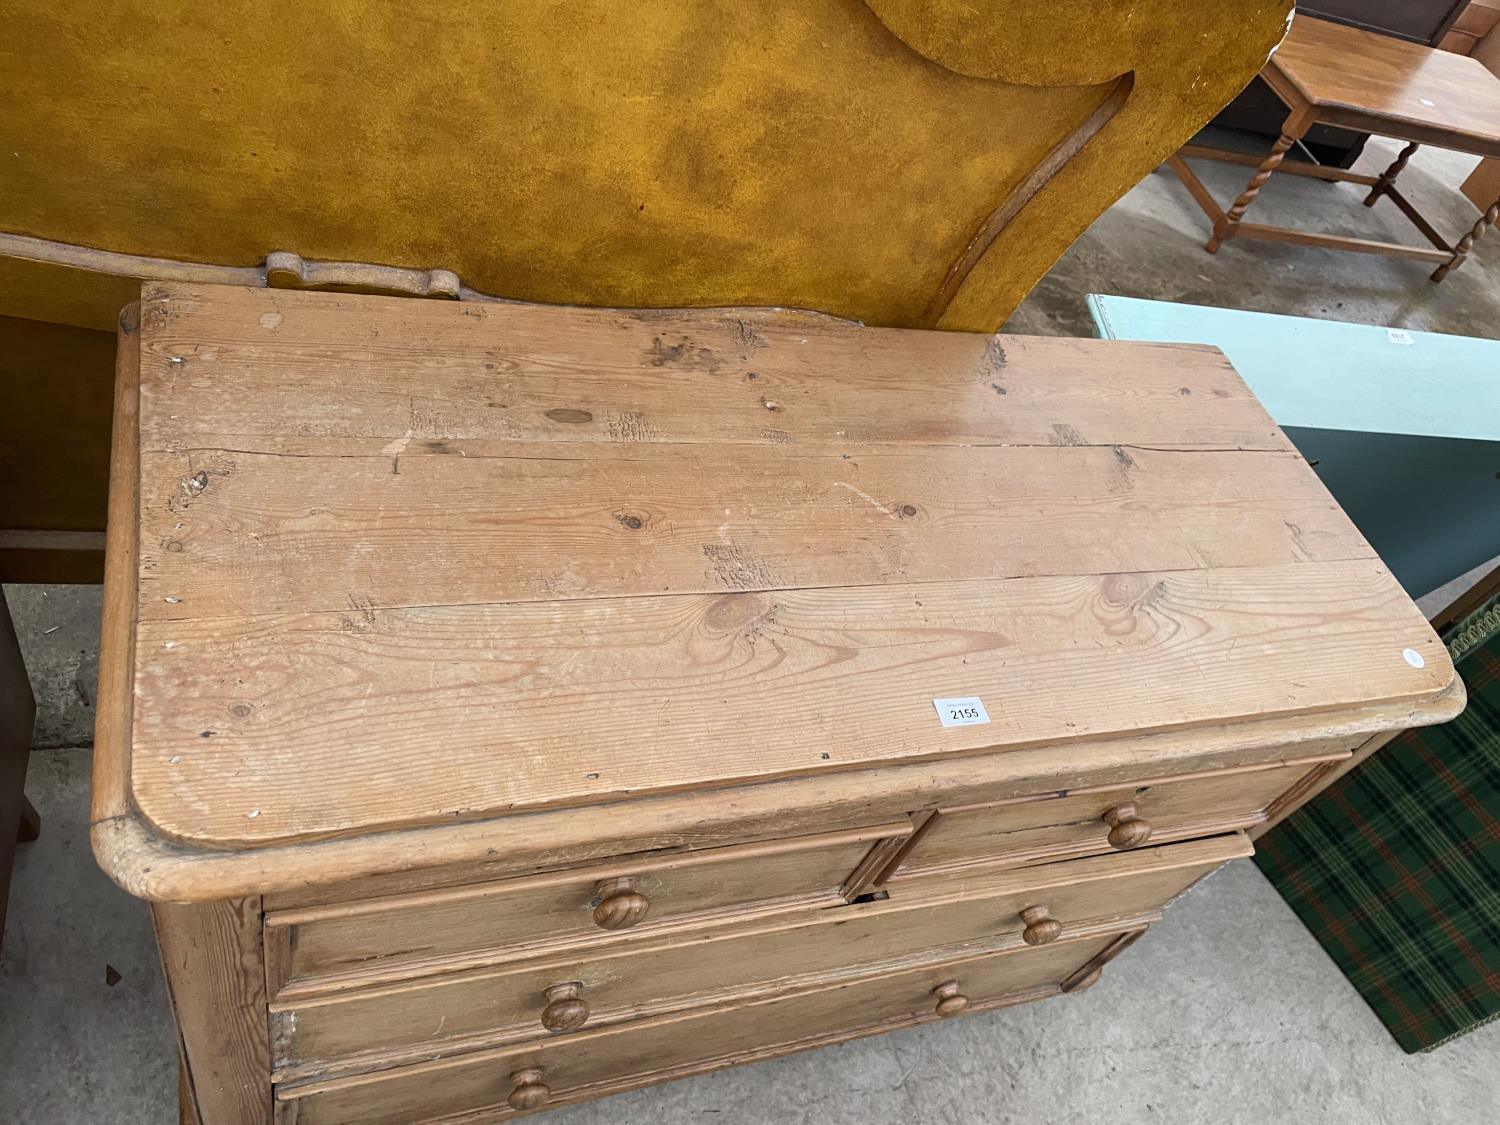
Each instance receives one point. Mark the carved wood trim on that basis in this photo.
(1023, 193)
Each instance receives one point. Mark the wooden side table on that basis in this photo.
(1335, 75)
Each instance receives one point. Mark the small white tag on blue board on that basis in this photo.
(1399, 336)
(964, 711)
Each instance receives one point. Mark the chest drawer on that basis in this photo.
(1089, 821)
(492, 1084)
(407, 935)
(1013, 909)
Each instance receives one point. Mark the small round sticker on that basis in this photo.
(1413, 657)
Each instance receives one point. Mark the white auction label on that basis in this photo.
(965, 711)
(1399, 336)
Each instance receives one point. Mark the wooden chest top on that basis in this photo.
(401, 562)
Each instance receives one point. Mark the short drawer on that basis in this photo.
(493, 1084)
(400, 936)
(1089, 821)
(923, 920)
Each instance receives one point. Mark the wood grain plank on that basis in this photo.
(211, 954)
(306, 725)
(235, 534)
(323, 368)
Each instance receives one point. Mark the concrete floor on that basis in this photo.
(1228, 1012)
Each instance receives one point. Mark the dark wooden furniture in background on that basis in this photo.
(1475, 20)
(1416, 21)
(1257, 110)
(18, 820)
(1327, 72)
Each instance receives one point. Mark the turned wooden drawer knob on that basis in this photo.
(1126, 828)
(527, 1090)
(566, 1008)
(1041, 927)
(950, 1001)
(620, 904)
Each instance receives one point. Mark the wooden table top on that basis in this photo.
(1396, 88)
(406, 562)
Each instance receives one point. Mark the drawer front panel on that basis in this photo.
(592, 1063)
(918, 922)
(1044, 829)
(411, 935)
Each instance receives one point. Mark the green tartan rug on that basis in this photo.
(1395, 868)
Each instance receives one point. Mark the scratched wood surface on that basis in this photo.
(595, 521)
(574, 555)
(410, 373)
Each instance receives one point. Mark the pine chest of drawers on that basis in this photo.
(504, 706)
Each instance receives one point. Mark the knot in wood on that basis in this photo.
(730, 613)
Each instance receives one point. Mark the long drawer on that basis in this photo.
(402, 936)
(492, 1084)
(1090, 821)
(463, 1011)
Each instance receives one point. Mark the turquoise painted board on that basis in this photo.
(1324, 374)
(1403, 427)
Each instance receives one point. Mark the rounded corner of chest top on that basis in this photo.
(1445, 705)
(128, 854)
(151, 867)
(142, 859)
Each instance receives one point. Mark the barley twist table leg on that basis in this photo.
(1224, 228)
(1461, 250)
(1388, 177)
